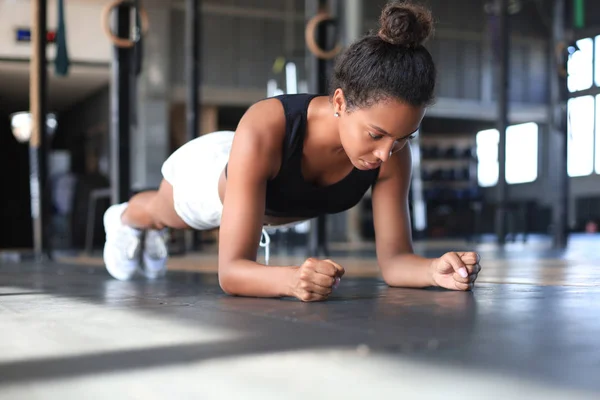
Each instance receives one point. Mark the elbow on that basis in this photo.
(227, 279)
(387, 278)
(226, 282)
(386, 273)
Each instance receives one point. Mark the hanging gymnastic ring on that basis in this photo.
(309, 33)
(105, 21)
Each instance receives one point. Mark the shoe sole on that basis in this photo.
(158, 265)
(111, 253)
(117, 272)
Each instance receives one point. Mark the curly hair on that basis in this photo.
(391, 63)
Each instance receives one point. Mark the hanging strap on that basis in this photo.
(265, 241)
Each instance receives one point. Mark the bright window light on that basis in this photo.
(596, 57)
(580, 66)
(522, 153)
(598, 133)
(580, 147)
(487, 157)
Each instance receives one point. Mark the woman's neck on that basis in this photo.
(322, 126)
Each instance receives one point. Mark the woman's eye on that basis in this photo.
(376, 137)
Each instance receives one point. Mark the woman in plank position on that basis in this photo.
(294, 157)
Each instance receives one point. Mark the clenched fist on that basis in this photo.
(456, 270)
(315, 279)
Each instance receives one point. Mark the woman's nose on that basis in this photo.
(384, 152)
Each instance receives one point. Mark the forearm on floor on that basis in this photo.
(407, 270)
(249, 278)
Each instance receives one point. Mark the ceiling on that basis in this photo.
(63, 92)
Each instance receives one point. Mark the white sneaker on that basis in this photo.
(122, 247)
(155, 253)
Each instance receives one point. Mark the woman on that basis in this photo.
(294, 157)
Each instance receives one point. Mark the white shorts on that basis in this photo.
(194, 170)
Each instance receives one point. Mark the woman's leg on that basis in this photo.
(150, 211)
(153, 210)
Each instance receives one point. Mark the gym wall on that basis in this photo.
(85, 38)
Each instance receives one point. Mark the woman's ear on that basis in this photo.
(339, 101)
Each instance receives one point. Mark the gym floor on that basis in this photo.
(529, 329)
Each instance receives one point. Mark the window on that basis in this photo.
(487, 157)
(583, 127)
(581, 66)
(580, 147)
(521, 155)
(597, 66)
(598, 134)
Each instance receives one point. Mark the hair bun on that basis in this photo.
(405, 24)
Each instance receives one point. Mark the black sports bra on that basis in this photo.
(288, 194)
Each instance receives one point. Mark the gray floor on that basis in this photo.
(72, 332)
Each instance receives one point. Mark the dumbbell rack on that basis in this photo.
(444, 187)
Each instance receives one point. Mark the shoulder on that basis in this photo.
(267, 114)
(260, 133)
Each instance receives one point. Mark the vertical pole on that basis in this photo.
(353, 26)
(192, 70)
(352, 31)
(192, 66)
(120, 107)
(38, 141)
(317, 83)
(312, 74)
(558, 127)
(503, 100)
(312, 63)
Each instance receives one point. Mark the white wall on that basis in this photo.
(85, 38)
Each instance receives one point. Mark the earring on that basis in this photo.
(336, 115)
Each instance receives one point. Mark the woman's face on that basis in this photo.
(371, 135)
